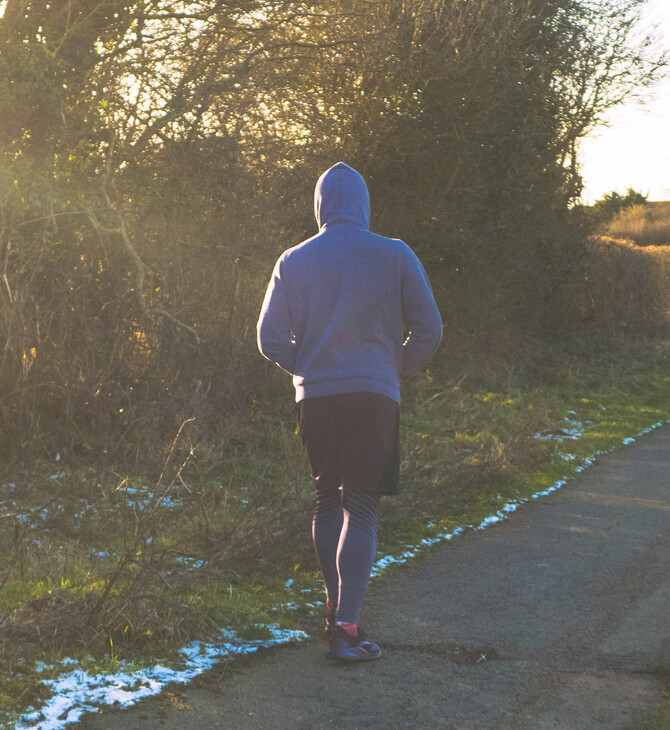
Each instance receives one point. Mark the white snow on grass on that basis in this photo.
(78, 692)
(573, 431)
(576, 427)
(142, 497)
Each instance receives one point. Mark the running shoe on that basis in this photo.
(346, 648)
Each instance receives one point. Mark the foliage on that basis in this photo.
(95, 562)
(156, 157)
(626, 288)
(645, 225)
(612, 204)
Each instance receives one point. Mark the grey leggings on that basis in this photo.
(351, 439)
(345, 539)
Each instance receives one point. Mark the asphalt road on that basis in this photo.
(557, 618)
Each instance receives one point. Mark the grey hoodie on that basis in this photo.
(337, 304)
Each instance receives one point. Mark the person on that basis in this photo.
(334, 316)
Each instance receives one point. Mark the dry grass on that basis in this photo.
(91, 556)
(96, 561)
(627, 287)
(645, 225)
(94, 555)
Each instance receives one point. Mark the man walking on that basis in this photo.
(335, 315)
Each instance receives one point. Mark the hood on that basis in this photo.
(341, 196)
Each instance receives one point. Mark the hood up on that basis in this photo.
(341, 196)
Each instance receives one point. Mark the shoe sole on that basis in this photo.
(353, 655)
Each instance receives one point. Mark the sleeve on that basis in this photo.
(275, 338)
(421, 317)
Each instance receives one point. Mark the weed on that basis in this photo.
(660, 720)
(115, 571)
(626, 287)
(646, 225)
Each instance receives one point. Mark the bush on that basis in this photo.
(646, 225)
(611, 204)
(147, 188)
(626, 287)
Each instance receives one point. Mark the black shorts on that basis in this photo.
(352, 441)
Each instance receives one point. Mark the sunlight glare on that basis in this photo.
(632, 147)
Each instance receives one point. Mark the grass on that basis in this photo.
(646, 225)
(660, 720)
(110, 569)
(626, 287)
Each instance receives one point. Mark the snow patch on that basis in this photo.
(78, 692)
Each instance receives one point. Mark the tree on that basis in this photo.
(611, 204)
(484, 103)
(155, 156)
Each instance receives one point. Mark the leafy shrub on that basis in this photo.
(611, 204)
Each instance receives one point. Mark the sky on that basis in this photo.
(634, 149)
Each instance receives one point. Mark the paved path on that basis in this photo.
(554, 619)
